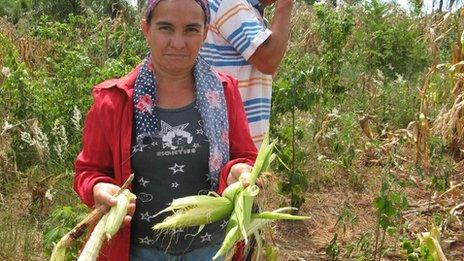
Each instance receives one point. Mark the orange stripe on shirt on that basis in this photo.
(257, 138)
(214, 29)
(253, 82)
(230, 13)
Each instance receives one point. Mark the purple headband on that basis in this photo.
(203, 4)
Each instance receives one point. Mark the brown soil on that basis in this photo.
(307, 240)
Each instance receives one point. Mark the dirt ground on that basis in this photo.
(307, 240)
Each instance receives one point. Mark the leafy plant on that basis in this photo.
(62, 220)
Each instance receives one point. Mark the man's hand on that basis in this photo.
(103, 195)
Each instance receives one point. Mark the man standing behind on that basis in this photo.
(240, 44)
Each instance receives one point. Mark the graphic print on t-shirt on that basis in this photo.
(175, 137)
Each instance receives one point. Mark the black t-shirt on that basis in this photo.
(173, 165)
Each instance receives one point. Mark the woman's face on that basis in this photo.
(175, 34)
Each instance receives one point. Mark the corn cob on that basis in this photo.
(93, 245)
(117, 213)
(107, 227)
(59, 250)
(236, 202)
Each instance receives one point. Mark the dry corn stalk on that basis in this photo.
(450, 124)
(457, 57)
(59, 250)
(423, 133)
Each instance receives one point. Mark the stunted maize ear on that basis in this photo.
(59, 253)
(92, 247)
(236, 202)
(117, 213)
(107, 227)
(195, 211)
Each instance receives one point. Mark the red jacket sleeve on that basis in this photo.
(242, 148)
(95, 162)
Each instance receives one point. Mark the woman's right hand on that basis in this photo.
(103, 195)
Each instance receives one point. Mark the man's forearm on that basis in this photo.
(269, 55)
(280, 28)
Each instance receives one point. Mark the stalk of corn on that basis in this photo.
(236, 202)
(107, 227)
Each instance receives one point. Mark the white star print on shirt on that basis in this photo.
(196, 145)
(145, 216)
(224, 224)
(174, 185)
(146, 240)
(200, 131)
(205, 237)
(177, 168)
(136, 148)
(143, 182)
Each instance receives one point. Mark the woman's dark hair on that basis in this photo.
(149, 17)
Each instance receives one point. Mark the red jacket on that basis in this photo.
(105, 156)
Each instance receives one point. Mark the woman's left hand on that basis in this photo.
(237, 170)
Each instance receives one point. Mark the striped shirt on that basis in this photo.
(236, 31)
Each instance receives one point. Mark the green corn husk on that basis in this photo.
(262, 160)
(117, 213)
(233, 235)
(242, 208)
(195, 211)
(277, 216)
(432, 241)
(59, 252)
(232, 191)
(236, 202)
(195, 201)
(92, 247)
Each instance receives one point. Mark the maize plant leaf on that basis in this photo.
(278, 216)
(264, 152)
(229, 241)
(232, 190)
(243, 207)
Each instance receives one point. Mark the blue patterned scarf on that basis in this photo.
(210, 101)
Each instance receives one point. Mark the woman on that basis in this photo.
(174, 122)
